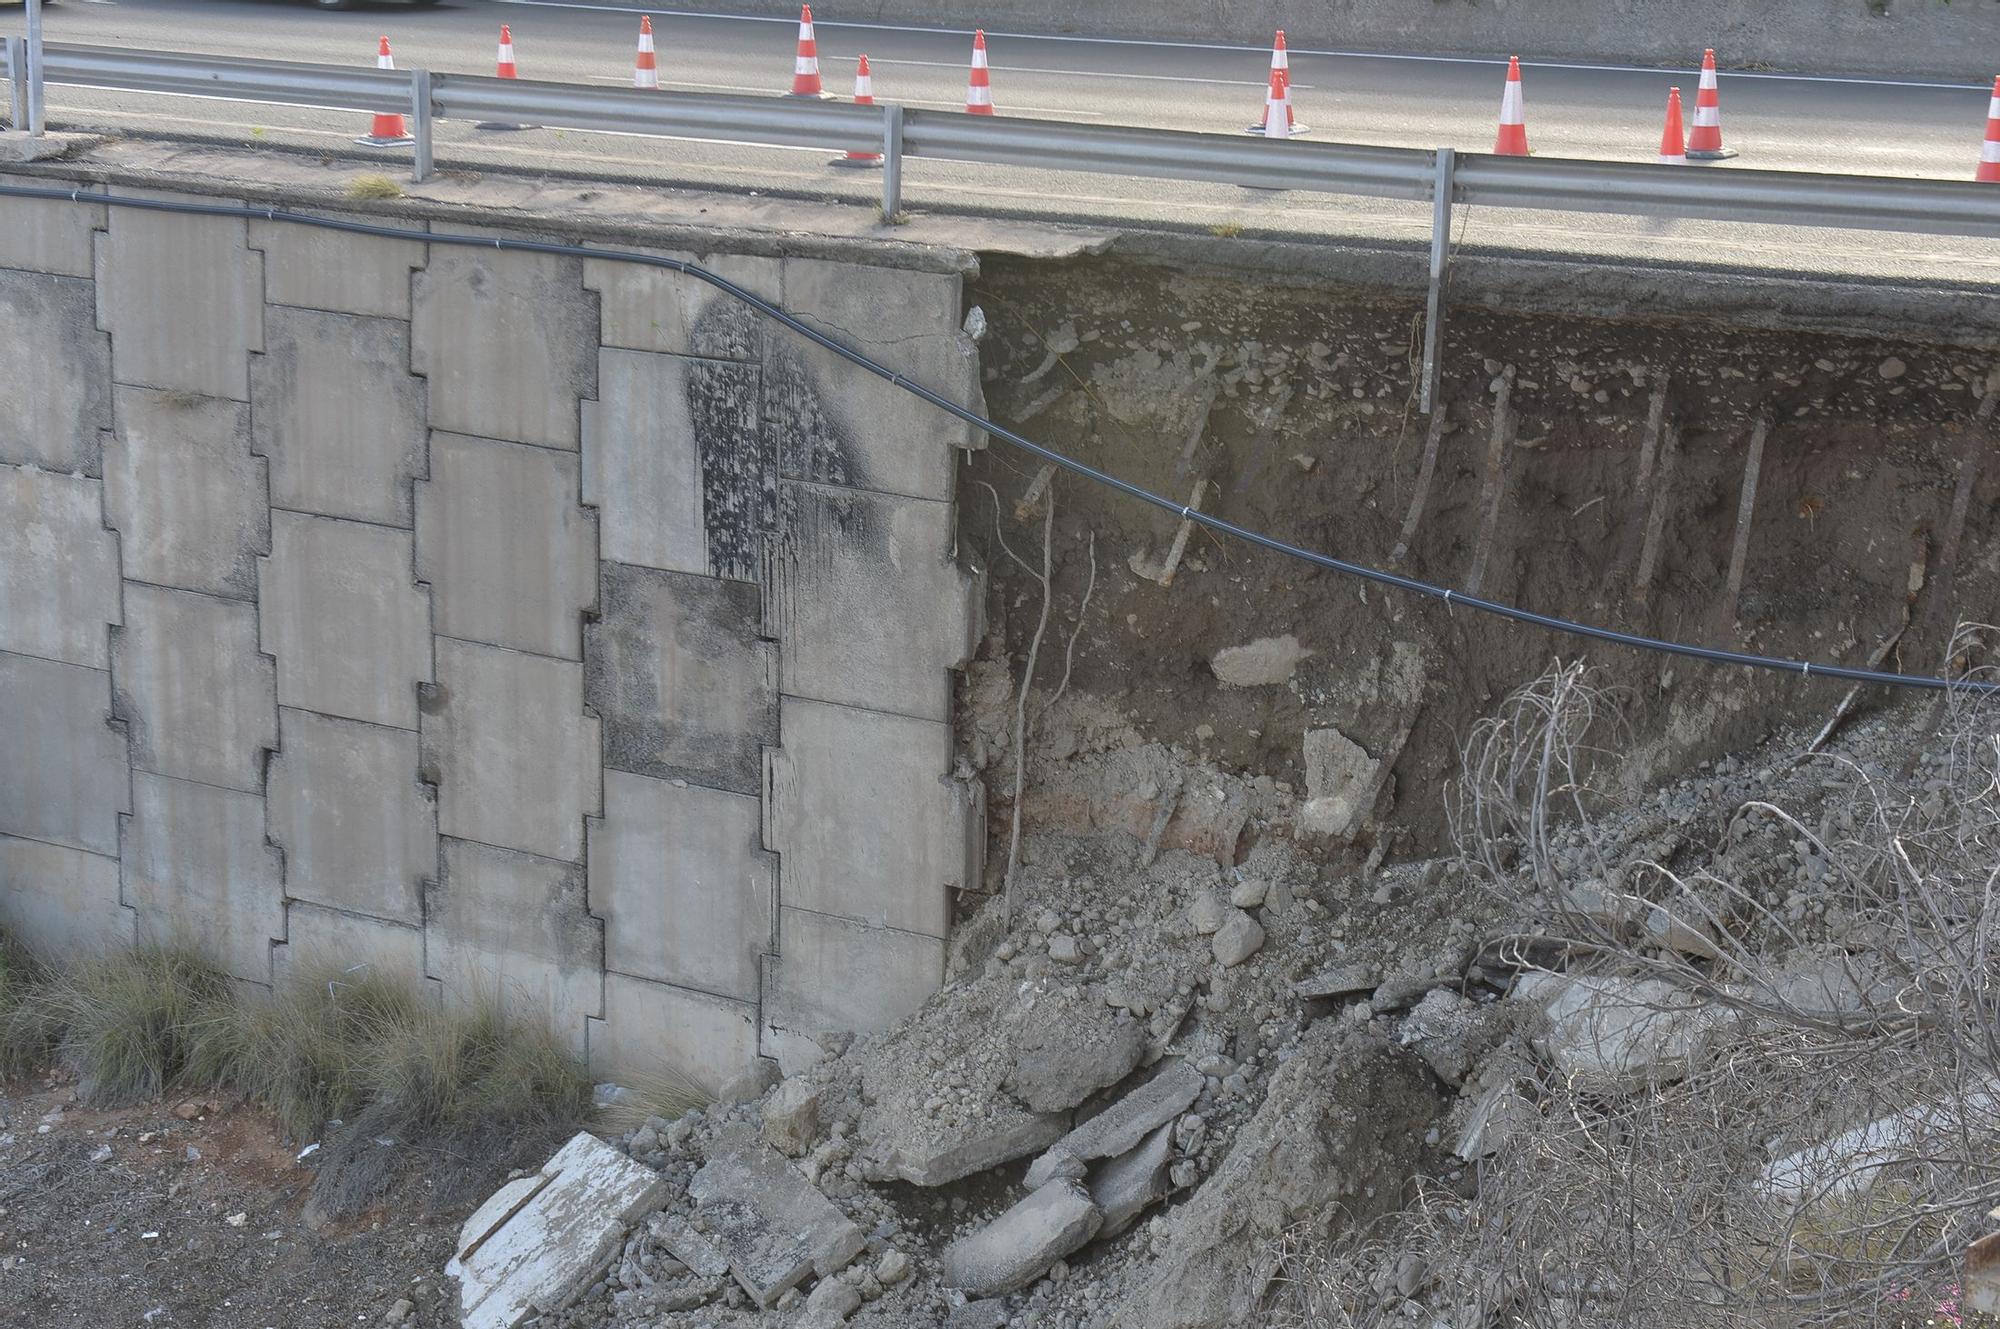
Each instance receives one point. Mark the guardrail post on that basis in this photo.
(420, 124)
(892, 163)
(17, 82)
(35, 117)
(1441, 187)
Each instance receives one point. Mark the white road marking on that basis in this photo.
(1488, 61)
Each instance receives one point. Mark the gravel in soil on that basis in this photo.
(187, 1213)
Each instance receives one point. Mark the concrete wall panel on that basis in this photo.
(844, 428)
(811, 987)
(510, 555)
(677, 462)
(66, 777)
(181, 488)
(358, 830)
(340, 610)
(865, 593)
(509, 347)
(681, 879)
(327, 945)
(60, 902)
(513, 756)
(512, 931)
(182, 298)
(339, 414)
(58, 567)
(653, 309)
(198, 871)
(648, 1026)
(335, 270)
(684, 685)
(843, 769)
(199, 700)
(52, 236)
(55, 398)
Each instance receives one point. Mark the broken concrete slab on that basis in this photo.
(1061, 1062)
(1342, 980)
(769, 1222)
(1018, 1247)
(1340, 784)
(539, 1240)
(1130, 1184)
(791, 1118)
(1620, 1032)
(928, 1152)
(1119, 1128)
(691, 1248)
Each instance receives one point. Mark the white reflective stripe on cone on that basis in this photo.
(1510, 104)
(1989, 151)
(1708, 117)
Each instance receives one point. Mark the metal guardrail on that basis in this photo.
(1443, 177)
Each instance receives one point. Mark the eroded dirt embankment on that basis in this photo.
(1295, 405)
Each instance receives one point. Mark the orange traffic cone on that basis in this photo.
(1989, 153)
(864, 95)
(1281, 68)
(389, 130)
(979, 86)
(503, 68)
(1512, 140)
(1277, 108)
(1673, 142)
(646, 66)
(1705, 138)
(805, 71)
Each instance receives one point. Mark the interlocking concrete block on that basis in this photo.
(508, 341)
(512, 931)
(650, 1030)
(842, 427)
(339, 608)
(322, 944)
(184, 493)
(49, 235)
(654, 309)
(677, 462)
(841, 769)
(55, 398)
(199, 872)
(686, 688)
(199, 700)
(510, 556)
(58, 567)
(871, 607)
(538, 1242)
(67, 777)
(339, 414)
(832, 975)
(335, 270)
(513, 756)
(183, 299)
(57, 901)
(358, 830)
(683, 884)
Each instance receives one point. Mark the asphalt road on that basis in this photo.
(1909, 127)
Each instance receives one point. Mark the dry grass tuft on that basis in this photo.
(373, 189)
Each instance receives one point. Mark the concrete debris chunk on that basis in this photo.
(1119, 1128)
(830, 1304)
(539, 1240)
(692, 1249)
(791, 1118)
(768, 1221)
(1058, 1066)
(907, 1151)
(978, 1315)
(1621, 1033)
(751, 1083)
(1497, 1117)
(1343, 980)
(1260, 663)
(1130, 1184)
(1019, 1246)
(1340, 784)
(1239, 938)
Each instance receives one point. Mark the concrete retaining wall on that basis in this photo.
(555, 632)
(1928, 38)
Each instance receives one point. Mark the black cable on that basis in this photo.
(1451, 598)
